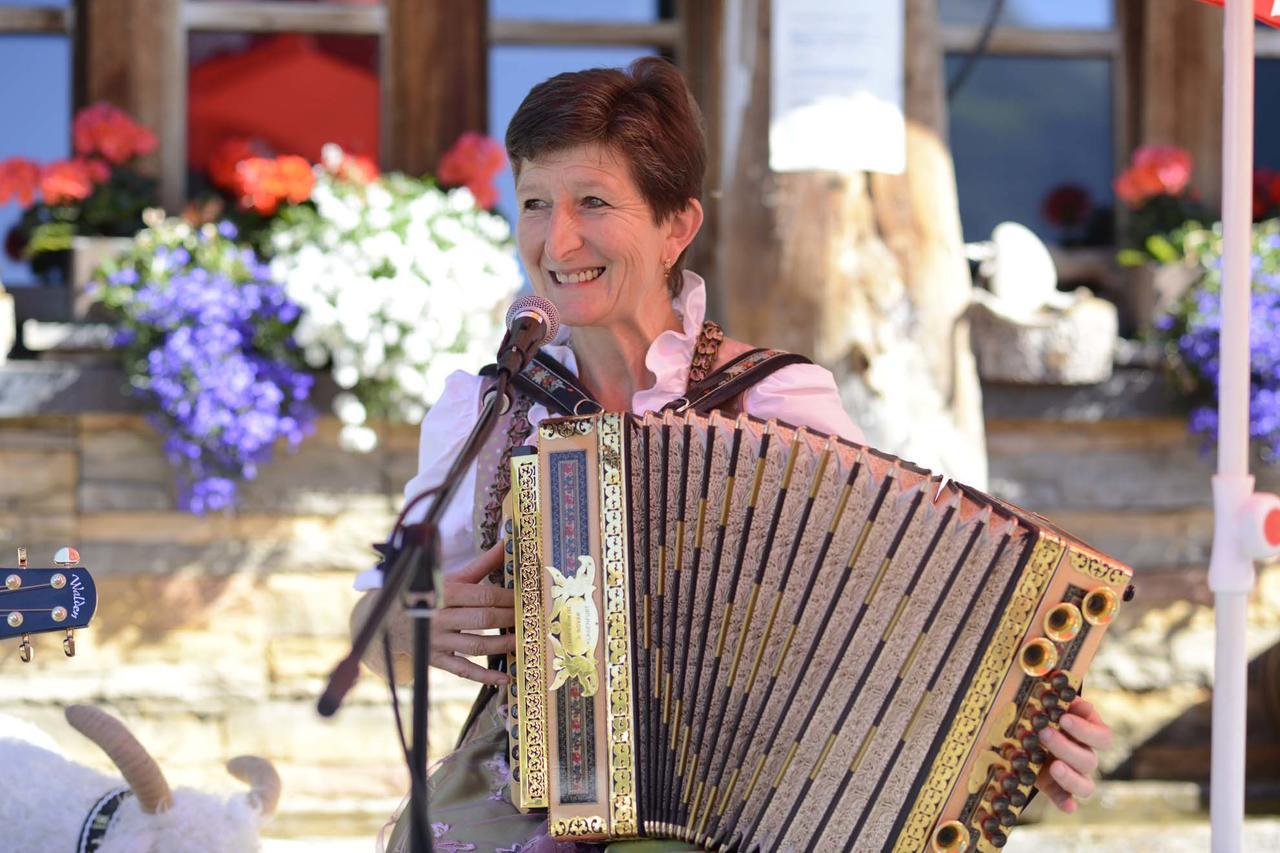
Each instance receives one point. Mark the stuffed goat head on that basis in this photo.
(54, 804)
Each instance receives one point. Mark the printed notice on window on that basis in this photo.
(837, 86)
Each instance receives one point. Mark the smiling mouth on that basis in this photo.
(577, 277)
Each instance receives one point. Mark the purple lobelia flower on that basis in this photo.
(207, 338)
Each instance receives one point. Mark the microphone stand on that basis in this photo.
(413, 566)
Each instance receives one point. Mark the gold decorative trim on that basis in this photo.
(1100, 569)
(578, 828)
(613, 552)
(554, 428)
(530, 629)
(991, 672)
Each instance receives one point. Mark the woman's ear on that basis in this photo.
(682, 227)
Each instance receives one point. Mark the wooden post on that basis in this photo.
(865, 272)
(1180, 81)
(436, 77)
(135, 56)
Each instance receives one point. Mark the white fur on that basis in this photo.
(44, 800)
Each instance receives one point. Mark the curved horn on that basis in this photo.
(139, 769)
(262, 779)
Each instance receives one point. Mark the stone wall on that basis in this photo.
(213, 635)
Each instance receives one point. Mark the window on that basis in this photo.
(1036, 112)
(517, 60)
(35, 83)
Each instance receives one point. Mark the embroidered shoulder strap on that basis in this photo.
(550, 383)
(731, 380)
(100, 818)
(705, 351)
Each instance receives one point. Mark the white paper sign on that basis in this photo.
(837, 69)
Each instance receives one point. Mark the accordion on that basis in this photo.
(750, 636)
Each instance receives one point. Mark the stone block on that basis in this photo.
(122, 465)
(38, 480)
(315, 604)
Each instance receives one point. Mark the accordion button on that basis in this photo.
(1026, 777)
(1009, 783)
(1055, 714)
(989, 823)
(1067, 694)
(998, 839)
(1017, 799)
(1059, 680)
(1036, 755)
(1009, 819)
(1018, 760)
(1049, 699)
(1029, 740)
(999, 801)
(1039, 721)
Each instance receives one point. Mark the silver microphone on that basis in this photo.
(532, 322)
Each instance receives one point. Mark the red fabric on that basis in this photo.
(286, 93)
(1267, 11)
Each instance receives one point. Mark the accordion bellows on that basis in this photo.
(754, 637)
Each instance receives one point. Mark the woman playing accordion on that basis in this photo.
(609, 168)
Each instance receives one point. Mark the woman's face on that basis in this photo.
(588, 240)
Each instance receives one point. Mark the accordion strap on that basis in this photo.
(731, 380)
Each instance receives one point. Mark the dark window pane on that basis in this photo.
(615, 11)
(293, 91)
(1266, 134)
(514, 69)
(1076, 14)
(35, 83)
(1023, 126)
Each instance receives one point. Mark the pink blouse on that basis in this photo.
(800, 394)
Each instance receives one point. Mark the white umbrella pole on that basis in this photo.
(1231, 574)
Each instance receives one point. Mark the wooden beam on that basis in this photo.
(435, 79)
(135, 57)
(1017, 40)
(274, 17)
(35, 20)
(662, 34)
(699, 56)
(1180, 93)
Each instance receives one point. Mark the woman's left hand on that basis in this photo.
(1069, 773)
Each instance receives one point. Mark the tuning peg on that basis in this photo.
(66, 558)
(69, 644)
(25, 651)
(22, 558)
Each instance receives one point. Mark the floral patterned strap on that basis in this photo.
(517, 432)
(705, 351)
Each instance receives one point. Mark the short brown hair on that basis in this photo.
(646, 114)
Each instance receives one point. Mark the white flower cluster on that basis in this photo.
(400, 284)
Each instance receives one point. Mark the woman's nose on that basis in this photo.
(563, 235)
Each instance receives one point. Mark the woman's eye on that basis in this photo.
(594, 201)
(534, 204)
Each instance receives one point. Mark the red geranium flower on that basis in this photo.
(69, 181)
(109, 131)
(263, 182)
(1067, 206)
(227, 156)
(472, 162)
(1154, 170)
(1266, 192)
(19, 178)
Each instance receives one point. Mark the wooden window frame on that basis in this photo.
(36, 20)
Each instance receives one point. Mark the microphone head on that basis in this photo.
(536, 306)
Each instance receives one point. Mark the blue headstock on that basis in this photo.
(33, 601)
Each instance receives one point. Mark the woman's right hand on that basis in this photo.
(473, 604)
(470, 604)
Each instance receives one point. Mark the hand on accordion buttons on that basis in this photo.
(471, 604)
(1069, 774)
